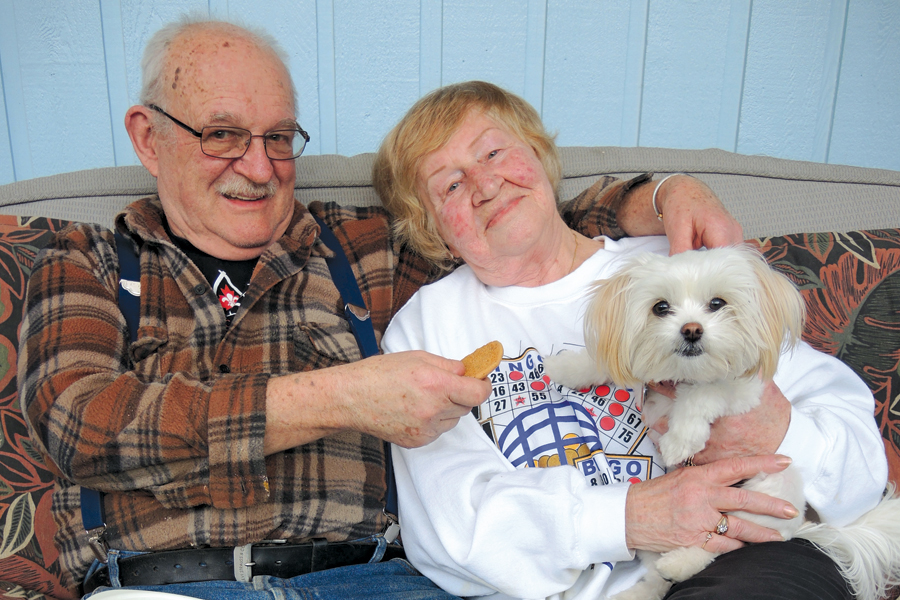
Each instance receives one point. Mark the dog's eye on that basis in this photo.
(716, 303)
(661, 308)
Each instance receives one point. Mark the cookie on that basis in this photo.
(483, 360)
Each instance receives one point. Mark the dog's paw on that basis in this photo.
(682, 563)
(645, 590)
(651, 586)
(656, 406)
(575, 370)
(675, 449)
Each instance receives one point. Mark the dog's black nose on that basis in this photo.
(692, 332)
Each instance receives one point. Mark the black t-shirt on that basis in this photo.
(228, 278)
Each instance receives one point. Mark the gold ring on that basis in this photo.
(722, 525)
(708, 537)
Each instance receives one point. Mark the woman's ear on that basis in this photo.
(138, 123)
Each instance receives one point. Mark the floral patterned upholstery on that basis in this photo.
(29, 565)
(851, 282)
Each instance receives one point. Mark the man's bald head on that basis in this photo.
(161, 77)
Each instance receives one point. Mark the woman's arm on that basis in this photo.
(693, 216)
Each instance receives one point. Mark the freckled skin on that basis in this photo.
(494, 206)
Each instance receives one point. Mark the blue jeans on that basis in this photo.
(395, 579)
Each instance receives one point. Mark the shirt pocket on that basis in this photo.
(318, 345)
(145, 352)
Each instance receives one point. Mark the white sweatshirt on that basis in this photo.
(478, 520)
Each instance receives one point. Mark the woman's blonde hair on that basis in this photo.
(430, 124)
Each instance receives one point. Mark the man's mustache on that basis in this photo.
(246, 189)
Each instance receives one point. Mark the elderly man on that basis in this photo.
(214, 429)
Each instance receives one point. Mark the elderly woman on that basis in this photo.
(470, 175)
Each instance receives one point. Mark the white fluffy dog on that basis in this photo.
(715, 322)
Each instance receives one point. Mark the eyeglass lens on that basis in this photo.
(232, 142)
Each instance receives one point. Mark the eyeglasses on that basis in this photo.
(233, 142)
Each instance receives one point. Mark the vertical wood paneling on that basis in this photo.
(13, 93)
(584, 76)
(116, 80)
(802, 79)
(535, 43)
(60, 46)
(293, 24)
(6, 164)
(632, 93)
(218, 9)
(831, 73)
(375, 86)
(487, 42)
(733, 76)
(431, 41)
(784, 78)
(866, 127)
(326, 80)
(683, 73)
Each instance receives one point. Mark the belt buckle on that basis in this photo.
(244, 563)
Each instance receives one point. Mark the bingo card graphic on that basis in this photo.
(537, 423)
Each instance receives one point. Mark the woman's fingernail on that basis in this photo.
(790, 512)
(783, 461)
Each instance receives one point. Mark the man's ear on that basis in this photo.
(138, 121)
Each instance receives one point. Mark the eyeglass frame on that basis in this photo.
(199, 134)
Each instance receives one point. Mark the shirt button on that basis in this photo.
(224, 369)
(199, 289)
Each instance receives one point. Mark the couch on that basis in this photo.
(834, 230)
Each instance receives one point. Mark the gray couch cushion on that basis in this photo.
(768, 196)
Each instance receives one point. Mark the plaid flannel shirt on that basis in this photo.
(170, 426)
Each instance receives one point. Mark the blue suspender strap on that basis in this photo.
(345, 282)
(94, 522)
(129, 284)
(130, 304)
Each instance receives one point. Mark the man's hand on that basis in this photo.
(683, 506)
(693, 216)
(407, 398)
(759, 431)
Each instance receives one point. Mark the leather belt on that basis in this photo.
(238, 564)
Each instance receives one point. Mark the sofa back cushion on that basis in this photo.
(769, 196)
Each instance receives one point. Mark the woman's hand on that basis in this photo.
(682, 507)
(756, 432)
(693, 216)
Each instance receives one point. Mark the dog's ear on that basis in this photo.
(605, 324)
(783, 311)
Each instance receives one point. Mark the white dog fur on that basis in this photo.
(715, 321)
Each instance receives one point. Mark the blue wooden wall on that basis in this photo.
(814, 80)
